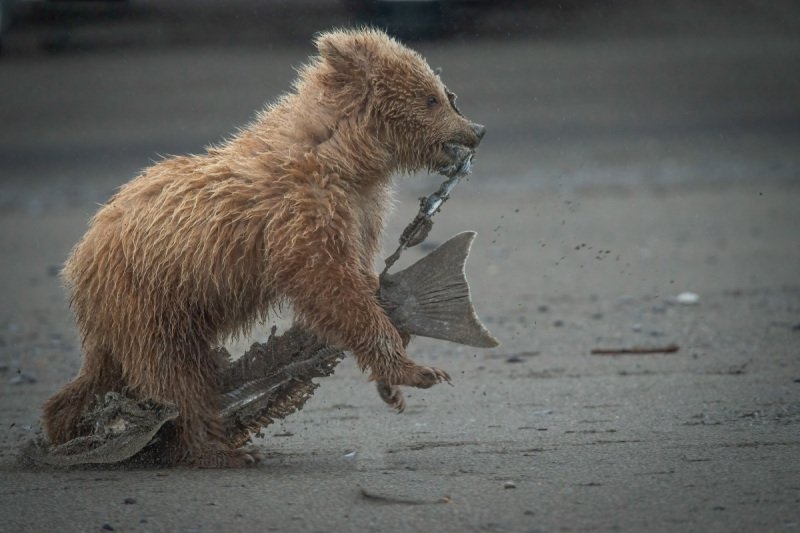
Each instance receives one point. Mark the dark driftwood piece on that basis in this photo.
(636, 350)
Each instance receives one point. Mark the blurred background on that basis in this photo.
(623, 125)
(574, 93)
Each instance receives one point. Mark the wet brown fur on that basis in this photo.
(199, 248)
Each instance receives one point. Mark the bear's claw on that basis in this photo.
(392, 395)
(428, 376)
(421, 377)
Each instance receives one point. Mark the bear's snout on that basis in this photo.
(479, 130)
(470, 135)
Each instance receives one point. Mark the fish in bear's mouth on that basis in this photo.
(461, 160)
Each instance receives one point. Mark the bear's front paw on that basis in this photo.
(392, 395)
(428, 376)
(422, 377)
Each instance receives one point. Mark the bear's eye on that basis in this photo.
(432, 101)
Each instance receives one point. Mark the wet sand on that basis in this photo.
(616, 174)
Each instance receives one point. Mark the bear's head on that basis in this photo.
(392, 92)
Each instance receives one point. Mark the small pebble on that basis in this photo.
(687, 298)
(107, 527)
(129, 501)
(514, 359)
(509, 485)
(21, 378)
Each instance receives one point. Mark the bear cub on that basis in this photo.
(198, 248)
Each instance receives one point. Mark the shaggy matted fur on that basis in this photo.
(199, 248)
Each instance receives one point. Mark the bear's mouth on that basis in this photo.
(460, 157)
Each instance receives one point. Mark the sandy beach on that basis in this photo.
(619, 171)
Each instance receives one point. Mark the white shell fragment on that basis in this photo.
(687, 298)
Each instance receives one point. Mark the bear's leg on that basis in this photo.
(391, 394)
(62, 413)
(187, 378)
(337, 300)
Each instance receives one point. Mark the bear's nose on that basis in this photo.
(479, 130)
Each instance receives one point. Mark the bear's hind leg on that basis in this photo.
(187, 379)
(62, 413)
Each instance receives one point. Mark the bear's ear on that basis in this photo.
(344, 51)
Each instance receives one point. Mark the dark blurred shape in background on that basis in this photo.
(573, 92)
(51, 25)
(80, 24)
